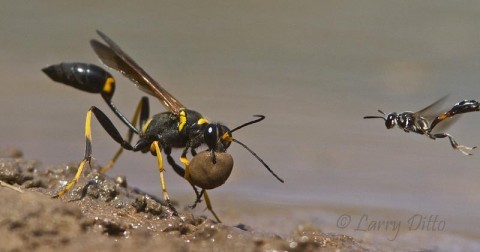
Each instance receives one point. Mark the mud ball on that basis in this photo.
(207, 175)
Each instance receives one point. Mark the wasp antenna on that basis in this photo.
(260, 118)
(371, 117)
(259, 159)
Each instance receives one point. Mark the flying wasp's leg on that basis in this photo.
(142, 111)
(112, 131)
(454, 143)
(209, 205)
(155, 147)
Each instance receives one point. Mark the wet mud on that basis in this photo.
(101, 213)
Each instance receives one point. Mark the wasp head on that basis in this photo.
(390, 119)
(217, 137)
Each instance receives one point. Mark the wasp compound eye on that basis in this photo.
(207, 175)
(211, 136)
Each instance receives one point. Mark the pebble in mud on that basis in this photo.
(18, 171)
(10, 152)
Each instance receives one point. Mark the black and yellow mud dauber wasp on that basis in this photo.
(424, 121)
(179, 127)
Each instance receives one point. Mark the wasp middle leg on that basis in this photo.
(141, 111)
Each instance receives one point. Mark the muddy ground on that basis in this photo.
(104, 214)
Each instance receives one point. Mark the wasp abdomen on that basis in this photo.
(86, 77)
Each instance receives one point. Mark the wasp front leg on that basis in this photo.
(185, 173)
(203, 193)
(181, 172)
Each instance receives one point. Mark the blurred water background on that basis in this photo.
(314, 68)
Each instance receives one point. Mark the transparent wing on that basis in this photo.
(433, 110)
(112, 56)
(465, 106)
(443, 125)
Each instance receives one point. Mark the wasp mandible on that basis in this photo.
(179, 127)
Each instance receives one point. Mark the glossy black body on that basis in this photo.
(408, 121)
(422, 123)
(163, 128)
(86, 77)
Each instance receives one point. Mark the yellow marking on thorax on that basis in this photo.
(109, 84)
(202, 121)
(182, 120)
(145, 126)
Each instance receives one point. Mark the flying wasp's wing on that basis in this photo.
(431, 113)
(464, 106)
(112, 56)
(432, 110)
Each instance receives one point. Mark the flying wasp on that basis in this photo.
(179, 127)
(424, 121)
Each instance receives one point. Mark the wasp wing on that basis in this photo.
(432, 110)
(464, 106)
(117, 59)
(442, 125)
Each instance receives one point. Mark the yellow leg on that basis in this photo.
(88, 153)
(74, 181)
(209, 206)
(185, 161)
(112, 162)
(162, 179)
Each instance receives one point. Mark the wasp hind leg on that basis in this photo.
(142, 111)
(462, 148)
(112, 131)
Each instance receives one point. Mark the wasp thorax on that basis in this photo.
(207, 175)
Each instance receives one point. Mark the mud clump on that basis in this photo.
(103, 214)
